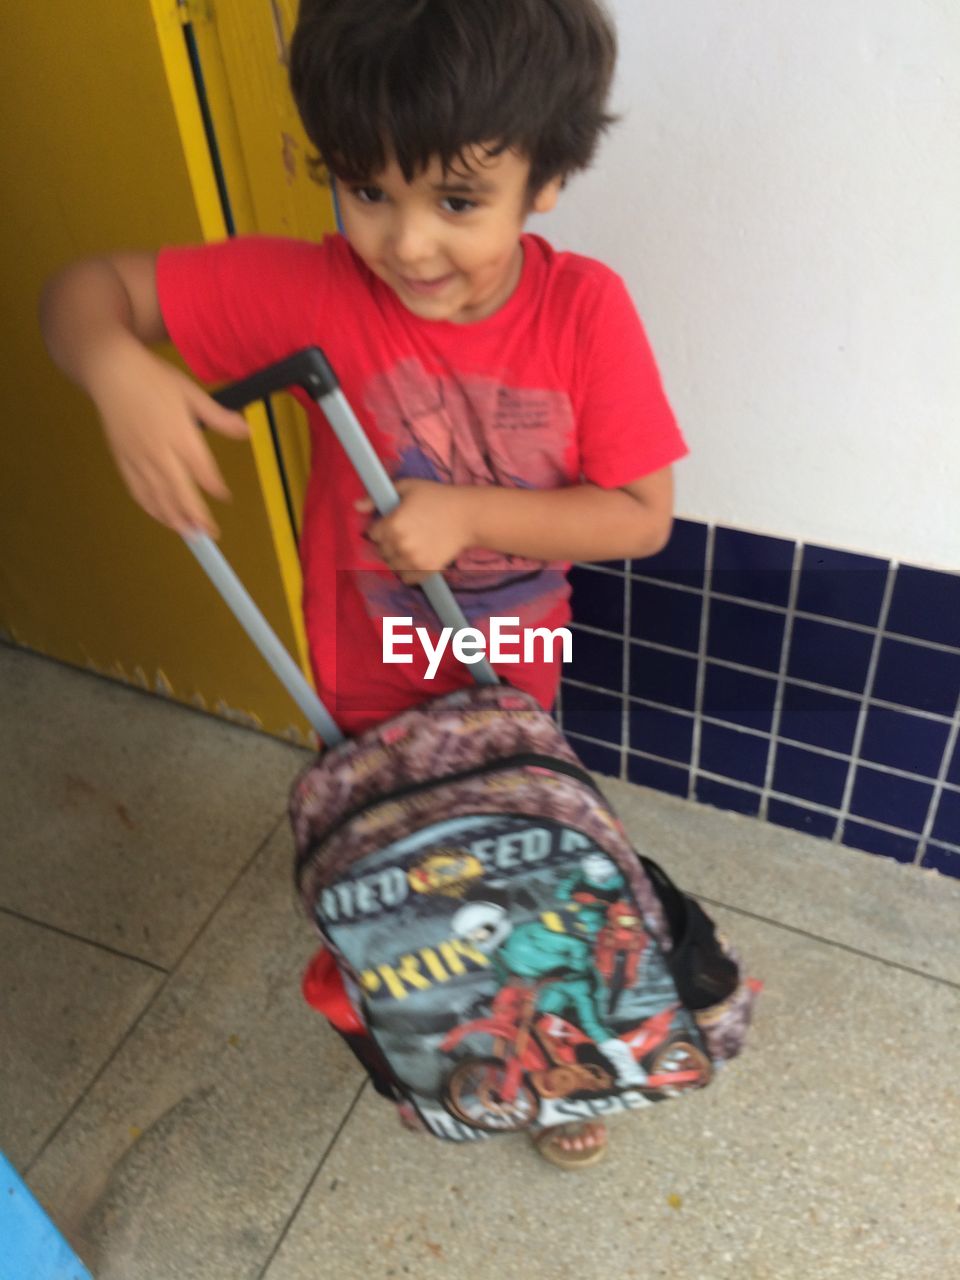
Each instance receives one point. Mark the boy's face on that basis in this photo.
(447, 243)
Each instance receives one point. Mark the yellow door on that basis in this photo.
(107, 146)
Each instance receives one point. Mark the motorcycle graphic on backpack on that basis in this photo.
(551, 1022)
(537, 1057)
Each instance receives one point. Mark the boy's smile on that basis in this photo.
(447, 243)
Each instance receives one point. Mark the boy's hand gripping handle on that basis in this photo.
(311, 370)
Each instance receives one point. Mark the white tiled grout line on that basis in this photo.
(701, 664)
(781, 681)
(625, 708)
(939, 786)
(865, 703)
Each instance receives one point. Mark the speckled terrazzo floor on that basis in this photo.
(182, 1114)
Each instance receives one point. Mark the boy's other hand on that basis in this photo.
(426, 532)
(151, 415)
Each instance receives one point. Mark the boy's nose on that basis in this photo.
(412, 242)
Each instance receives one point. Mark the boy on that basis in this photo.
(509, 389)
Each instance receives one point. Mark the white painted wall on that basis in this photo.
(783, 199)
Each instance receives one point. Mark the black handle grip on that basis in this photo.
(309, 369)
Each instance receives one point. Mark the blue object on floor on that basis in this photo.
(31, 1247)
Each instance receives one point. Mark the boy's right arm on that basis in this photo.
(98, 317)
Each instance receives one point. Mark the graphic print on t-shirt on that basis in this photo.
(473, 430)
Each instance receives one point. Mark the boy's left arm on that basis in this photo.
(436, 522)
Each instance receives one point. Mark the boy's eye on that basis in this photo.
(368, 195)
(457, 204)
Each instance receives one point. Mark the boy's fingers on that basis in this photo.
(178, 504)
(228, 423)
(144, 498)
(192, 513)
(144, 493)
(190, 518)
(203, 468)
(194, 517)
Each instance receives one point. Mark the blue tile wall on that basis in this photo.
(805, 685)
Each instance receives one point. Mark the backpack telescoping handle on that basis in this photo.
(310, 370)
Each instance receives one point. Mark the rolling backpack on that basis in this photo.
(504, 956)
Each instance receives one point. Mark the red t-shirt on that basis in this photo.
(557, 385)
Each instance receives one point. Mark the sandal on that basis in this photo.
(549, 1143)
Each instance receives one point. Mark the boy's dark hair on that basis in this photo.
(417, 79)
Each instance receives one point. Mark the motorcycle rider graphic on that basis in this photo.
(622, 940)
(619, 949)
(557, 953)
(598, 880)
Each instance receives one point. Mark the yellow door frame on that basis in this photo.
(171, 17)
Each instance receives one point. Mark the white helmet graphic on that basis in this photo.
(483, 924)
(597, 867)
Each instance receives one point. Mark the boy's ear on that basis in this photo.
(546, 198)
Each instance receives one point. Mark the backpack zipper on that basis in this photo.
(523, 760)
